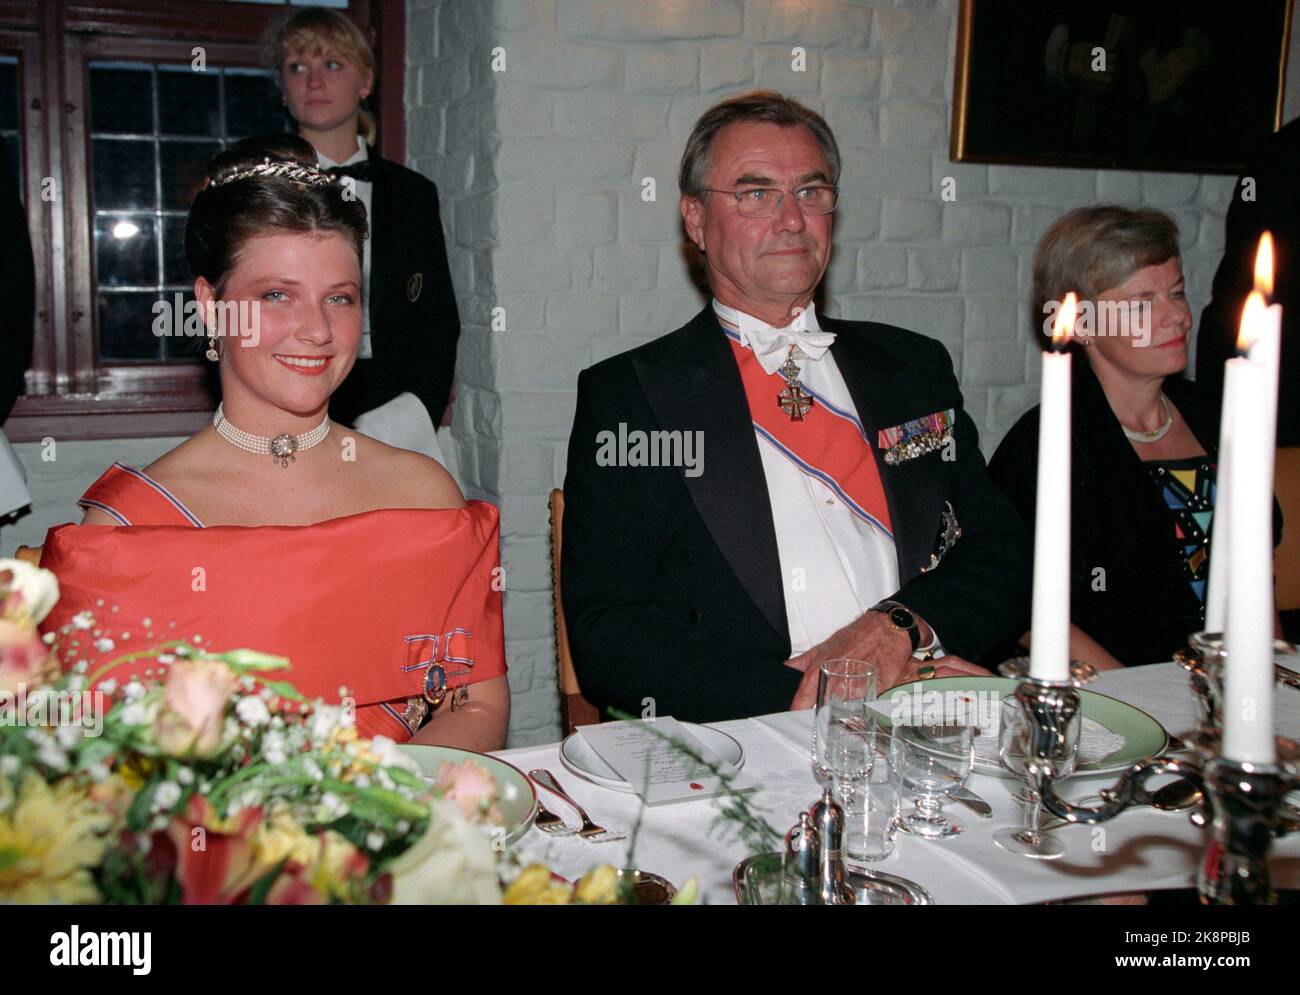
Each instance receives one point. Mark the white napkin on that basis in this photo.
(13, 480)
(1096, 742)
(403, 422)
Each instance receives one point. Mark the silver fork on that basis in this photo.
(548, 822)
(589, 831)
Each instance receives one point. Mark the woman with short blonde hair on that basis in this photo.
(401, 387)
(1143, 438)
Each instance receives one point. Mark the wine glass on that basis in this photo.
(1013, 750)
(930, 762)
(844, 726)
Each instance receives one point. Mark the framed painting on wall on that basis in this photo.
(1167, 85)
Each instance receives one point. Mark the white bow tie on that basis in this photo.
(772, 345)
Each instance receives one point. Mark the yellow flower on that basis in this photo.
(281, 837)
(51, 837)
(330, 863)
(339, 866)
(599, 886)
(536, 886)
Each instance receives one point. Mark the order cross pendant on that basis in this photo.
(793, 399)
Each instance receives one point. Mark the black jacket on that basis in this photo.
(1145, 609)
(17, 290)
(1276, 208)
(672, 584)
(414, 323)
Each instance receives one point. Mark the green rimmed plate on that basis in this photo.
(517, 798)
(1143, 736)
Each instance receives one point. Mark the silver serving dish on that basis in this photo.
(757, 881)
(647, 888)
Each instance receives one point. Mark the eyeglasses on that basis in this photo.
(764, 202)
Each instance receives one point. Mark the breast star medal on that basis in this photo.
(793, 399)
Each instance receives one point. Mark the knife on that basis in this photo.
(1286, 676)
(963, 794)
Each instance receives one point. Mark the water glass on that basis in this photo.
(871, 820)
(927, 763)
(844, 725)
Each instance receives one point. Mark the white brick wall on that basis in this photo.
(541, 166)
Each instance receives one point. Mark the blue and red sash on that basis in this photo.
(829, 444)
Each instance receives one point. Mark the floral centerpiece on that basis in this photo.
(211, 780)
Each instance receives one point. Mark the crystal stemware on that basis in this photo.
(929, 762)
(844, 725)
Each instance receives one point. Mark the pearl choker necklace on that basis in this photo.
(1155, 435)
(281, 448)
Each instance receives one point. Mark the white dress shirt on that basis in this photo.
(365, 190)
(834, 565)
(402, 422)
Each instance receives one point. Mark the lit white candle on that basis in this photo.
(1248, 681)
(1049, 652)
(1266, 349)
(1216, 592)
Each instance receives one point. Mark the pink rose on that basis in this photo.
(27, 593)
(469, 785)
(194, 707)
(24, 658)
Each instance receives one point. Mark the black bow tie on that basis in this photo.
(358, 171)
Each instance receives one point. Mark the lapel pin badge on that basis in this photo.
(948, 536)
(413, 287)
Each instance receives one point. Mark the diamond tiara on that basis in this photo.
(308, 176)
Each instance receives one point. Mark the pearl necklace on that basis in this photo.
(1155, 435)
(281, 448)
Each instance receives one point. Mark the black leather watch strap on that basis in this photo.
(901, 617)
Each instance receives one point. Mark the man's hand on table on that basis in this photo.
(875, 639)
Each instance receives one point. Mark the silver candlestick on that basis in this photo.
(1241, 804)
(1245, 801)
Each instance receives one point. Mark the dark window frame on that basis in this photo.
(70, 394)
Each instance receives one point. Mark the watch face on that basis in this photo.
(902, 618)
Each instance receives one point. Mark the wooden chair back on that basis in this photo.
(575, 710)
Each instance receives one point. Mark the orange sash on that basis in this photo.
(368, 602)
(829, 444)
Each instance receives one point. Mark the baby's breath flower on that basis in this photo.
(332, 806)
(49, 754)
(166, 795)
(133, 714)
(253, 711)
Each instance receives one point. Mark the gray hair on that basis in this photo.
(756, 105)
(1094, 249)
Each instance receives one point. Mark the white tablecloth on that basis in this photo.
(1141, 849)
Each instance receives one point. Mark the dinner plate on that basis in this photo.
(516, 797)
(1144, 737)
(577, 755)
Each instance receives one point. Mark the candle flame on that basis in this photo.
(1264, 265)
(1063, 326)
(1251, 317)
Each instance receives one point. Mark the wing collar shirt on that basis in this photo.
(365, 190)
(834, 565)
